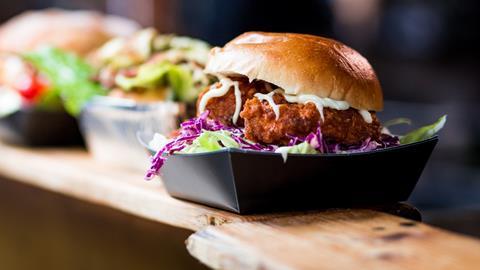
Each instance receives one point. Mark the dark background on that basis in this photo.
(426, 55)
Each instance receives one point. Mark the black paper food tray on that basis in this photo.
(249, 182)
(35, 127)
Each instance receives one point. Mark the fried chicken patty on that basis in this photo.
(339, 126)
(261, 125)
(222, 108)
(348, 126)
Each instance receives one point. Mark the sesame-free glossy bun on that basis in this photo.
(301, 64)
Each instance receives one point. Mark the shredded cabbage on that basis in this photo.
(202, 134)
(191, 129)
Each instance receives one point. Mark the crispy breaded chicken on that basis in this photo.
(222, 108)
(339, 126)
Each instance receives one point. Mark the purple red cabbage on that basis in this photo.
(193, 128)
(316, 140)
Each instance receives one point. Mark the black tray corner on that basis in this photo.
(35, 127)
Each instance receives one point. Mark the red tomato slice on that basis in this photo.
(31, 88)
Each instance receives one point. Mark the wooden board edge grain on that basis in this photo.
(363, 239)
(219, 251)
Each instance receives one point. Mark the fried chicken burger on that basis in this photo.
(285, 93)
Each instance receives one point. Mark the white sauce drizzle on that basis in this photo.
(269, 98)
(284, 152)
(238, 102)
(366, 116)
(320, 103)
(213, 92)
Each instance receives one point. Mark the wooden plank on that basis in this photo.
(336, 239)
(73, 172)
(340, 239)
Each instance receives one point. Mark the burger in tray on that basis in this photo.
(152, 81)
(291, 123)
(43, 75)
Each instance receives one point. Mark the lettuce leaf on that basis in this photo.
(211, 141)
(124, 52)
(190, 48)
(69, 77)
(397, 121)
(152, 75)
(158, 142)
(148, 76)
(181, 82)
(425, 132)
(302, 148)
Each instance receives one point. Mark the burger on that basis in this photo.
(284, 93)
(149, 67)
(151, 82)
(288, 85)
(41, 57)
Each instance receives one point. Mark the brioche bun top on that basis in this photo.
(76, 31)
(301, 64)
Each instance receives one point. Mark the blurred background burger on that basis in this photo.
(151, 81)
(40, 52)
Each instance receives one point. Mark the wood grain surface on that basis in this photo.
(329, 239)
(336, 239)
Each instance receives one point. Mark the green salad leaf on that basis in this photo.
(302, 148)
(397, 121)
(124, 52)
(152, 75)
(211, 141)
(69, 77)
(181, 82)
(190, 48)
(425, 132)
(148, 76)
